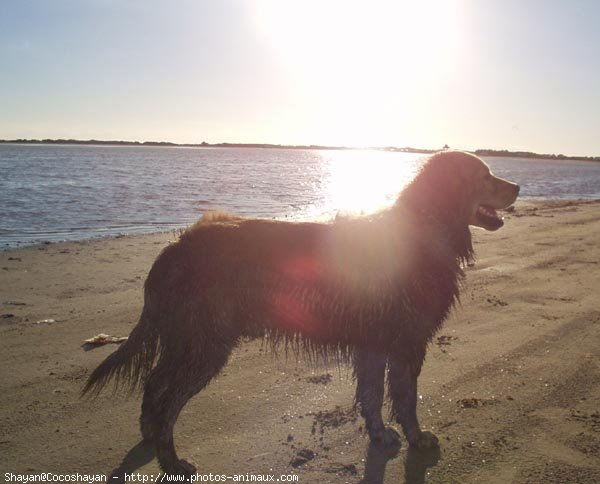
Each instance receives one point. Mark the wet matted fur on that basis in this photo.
(371, 290)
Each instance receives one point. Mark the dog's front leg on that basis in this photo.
(402, 381)
(369, 371)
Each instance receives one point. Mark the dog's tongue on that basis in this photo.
(488, 211)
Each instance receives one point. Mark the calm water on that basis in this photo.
(74, 192)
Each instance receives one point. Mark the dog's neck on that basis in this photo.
(449, 239)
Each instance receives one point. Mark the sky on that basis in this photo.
(518, 75)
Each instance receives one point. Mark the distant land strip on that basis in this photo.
(204, 144)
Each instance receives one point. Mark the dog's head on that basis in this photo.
(459, 188)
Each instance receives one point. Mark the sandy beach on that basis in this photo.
(511, 384)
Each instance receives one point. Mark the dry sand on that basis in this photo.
(511, 384)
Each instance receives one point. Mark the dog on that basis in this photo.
(371, 291)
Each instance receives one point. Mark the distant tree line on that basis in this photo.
(529, 154)
(167, 143)
(408, 149)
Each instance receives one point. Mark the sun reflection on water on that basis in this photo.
(362, 182)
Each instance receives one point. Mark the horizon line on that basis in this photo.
(204, 144)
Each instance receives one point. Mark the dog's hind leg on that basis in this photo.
(402, 382)
(155, 385)
(187, 379)
(369, 372)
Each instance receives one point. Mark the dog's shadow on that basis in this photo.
(416, 464)
(139, 455)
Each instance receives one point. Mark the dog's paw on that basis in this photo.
(424, 440)
(387, 436)
(390, 437)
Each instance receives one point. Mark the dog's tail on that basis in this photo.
(132, 362)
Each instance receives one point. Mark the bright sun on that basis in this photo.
(361, 182)
(359, 62)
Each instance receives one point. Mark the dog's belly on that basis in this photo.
(337, 318)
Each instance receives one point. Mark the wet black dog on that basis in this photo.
(371, 290)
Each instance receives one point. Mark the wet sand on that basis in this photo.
(511, 384)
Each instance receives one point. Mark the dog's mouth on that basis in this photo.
(487, 218)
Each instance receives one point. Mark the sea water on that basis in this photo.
(72, 192)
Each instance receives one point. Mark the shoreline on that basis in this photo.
(510, 385)
(120, 235)
(24, 245)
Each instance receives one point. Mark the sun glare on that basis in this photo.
(361, 182)
(363, 65)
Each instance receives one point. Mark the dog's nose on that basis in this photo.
(517, 189)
